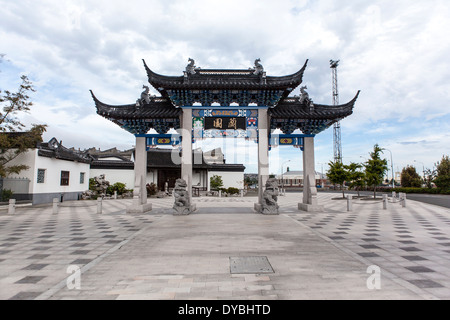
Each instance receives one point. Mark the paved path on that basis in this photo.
(160, 256)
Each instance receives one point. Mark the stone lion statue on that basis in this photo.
(270, 197)
(181, 195)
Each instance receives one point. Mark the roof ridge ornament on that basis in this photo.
(191, 68)
(145, 97)
(258, 69)
(304, 97)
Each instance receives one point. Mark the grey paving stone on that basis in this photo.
(414, 258)
(30, 279)
(419, 269)
(35, 266)
(370, 246)
(25, 295)
(368, 254)
(425, 283)
(8, 244)
(41, 248)
(81, 261)
(39, 256)
(79, 244)
(407, 242)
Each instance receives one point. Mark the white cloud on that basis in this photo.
(395, 52)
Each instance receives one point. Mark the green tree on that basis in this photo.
(13, 141)
(356, 177)
(215, 182)
(430, 175)
(410, 178)
(442, 179)
(375, 168)
(337, 174)
(248, 181)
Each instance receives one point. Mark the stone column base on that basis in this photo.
(310, 207)
(184, 211)
(258, 208)
(139, 208)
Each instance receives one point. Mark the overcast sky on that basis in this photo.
(395, 52)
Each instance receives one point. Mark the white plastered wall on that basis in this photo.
(115, 175)
(53, 168)
(230, 179)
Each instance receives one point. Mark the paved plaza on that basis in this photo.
(160, 256)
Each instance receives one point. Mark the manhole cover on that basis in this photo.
(250, 265)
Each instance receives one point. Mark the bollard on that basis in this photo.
(404, 200)
(220, 193)
(12, 206)
(349, 202)
(394, 197)
(115, 195)
(99, 205)
(385, 201)
(242, 193)
(55, 205)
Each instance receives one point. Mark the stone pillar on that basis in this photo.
(263, 155)
(309, 178)
(140, 204)
(186, 155)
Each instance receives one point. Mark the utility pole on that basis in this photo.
(337, 146)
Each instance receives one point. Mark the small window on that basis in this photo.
(65, 178)
(41, 176)
(82, 177)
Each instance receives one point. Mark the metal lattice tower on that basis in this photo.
(337, 146)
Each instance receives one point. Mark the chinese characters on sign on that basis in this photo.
(225, 123)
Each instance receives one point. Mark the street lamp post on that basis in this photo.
(321, 173)
(282, 177)
(392, 167)
(423, 168)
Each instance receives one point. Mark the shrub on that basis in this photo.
(232, 190)
(118, 186)
(215, 182)
(417, 190)
(6, 194)
(151, 189)
(92, 184)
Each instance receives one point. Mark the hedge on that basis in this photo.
(415, 190)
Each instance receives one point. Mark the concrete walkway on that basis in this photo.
(160, 256)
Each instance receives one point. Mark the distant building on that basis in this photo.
(54, 172)
(59, 172)
(163, 166)
(295, 179)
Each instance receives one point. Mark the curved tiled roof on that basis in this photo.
(158, 108)
(225, 79)
(293, 109)
(55, 149)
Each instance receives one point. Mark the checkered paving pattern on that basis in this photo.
(37, 246)
(159, 256)
(411, 243)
